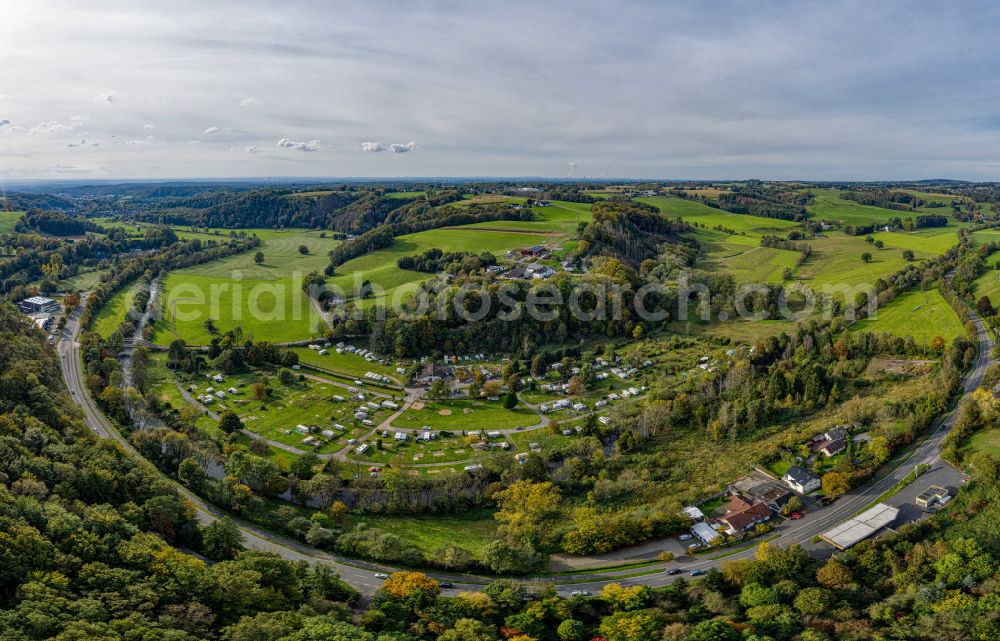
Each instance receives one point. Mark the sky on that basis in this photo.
(827, 90)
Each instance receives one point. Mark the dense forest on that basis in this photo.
(91, 538)
(55, 223)
(633, 232)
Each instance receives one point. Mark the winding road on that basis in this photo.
(362, 575)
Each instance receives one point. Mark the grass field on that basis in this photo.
(988, 284)
(349, 364)
(7, 220)
(920, 314)
(471, 531)
(266, 300)
(276, 417)
(380, 267)
(465, 415)
(695, 212)
(985, 441)
(837, 258)
(113, 313)
(81, 282)
(828, 205)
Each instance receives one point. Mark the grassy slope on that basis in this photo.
(380, 267)
(920, 314)
(113, 313)
(274, 288)
(988, 284)
(828, 205)
(348, 364)
(7, 220)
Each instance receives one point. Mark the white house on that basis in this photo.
(400, 436)
(801, 480)
(704, 532)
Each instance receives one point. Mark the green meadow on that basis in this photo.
(265, 300)
(465, 415)
(988, 284)
(828, 205)
(695, 212)
(918, 314)
(114, 311)
(347, 364)
(380, 268)
(7, 221)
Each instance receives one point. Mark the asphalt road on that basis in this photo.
(362, 577)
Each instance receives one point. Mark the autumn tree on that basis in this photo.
(403, 585)
(836, 483)
(528, 511)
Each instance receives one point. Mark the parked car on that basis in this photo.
(696, 572)
(795, 516)
(684, 537)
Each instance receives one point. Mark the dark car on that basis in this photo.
(673, 571)
(696, 572)
(445, 585)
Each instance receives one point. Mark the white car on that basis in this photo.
(381, 575)
(684, 537)
(579, 593)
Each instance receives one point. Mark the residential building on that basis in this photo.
(801, 480)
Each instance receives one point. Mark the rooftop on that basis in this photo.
(861, 526)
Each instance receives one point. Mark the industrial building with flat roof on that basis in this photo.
(38, 305)
(861, 527)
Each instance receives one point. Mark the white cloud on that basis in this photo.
(105, 97)
(249, 101)
(49, 127)
(307, 145)
(4, 122)
(83, 143)
(149, 127)
(373, 146)
(253, 149)
(80, 118)
(402, 149)
(212, 130)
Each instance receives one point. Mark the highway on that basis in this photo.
(362, 575)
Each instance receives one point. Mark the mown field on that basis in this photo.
(467, 415)
(920, 314)
(265, 300)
